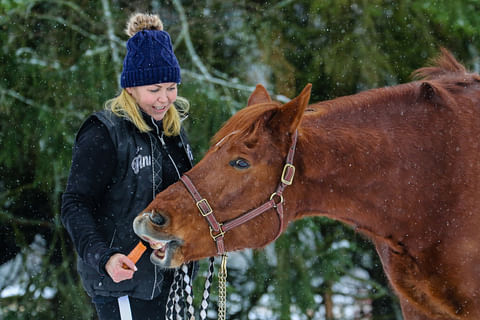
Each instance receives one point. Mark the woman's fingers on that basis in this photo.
(120, 268)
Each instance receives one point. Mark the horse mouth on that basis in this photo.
(159, 248)
(166, 248)
(163, 251)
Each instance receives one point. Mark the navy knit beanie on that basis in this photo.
(149, 60)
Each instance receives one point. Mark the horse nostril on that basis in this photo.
(157, 219)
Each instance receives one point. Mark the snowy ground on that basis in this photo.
(14, 273)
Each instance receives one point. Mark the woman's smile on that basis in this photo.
(155, 99)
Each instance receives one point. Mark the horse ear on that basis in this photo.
(290, 114)
(427, 91)
(432, 94)
(259, 95)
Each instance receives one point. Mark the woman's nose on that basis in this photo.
(162, 97)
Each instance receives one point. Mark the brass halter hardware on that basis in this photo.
(220, 233)
(275, 194)
(218, 230)
(288, 180)
(204, 212)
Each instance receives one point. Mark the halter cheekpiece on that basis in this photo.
(218, 230)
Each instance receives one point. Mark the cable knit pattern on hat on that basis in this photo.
(150, 59)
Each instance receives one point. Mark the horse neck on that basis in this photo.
(364, 167)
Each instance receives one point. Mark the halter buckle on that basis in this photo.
(220, 233)
(286, 168)
(206, 205)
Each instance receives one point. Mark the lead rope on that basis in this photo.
(187, 280)
(171, 296)
(206, 290)
(182, 286)
(222, 289)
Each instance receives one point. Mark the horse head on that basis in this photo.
(239, 173)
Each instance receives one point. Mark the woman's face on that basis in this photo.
(155, 99)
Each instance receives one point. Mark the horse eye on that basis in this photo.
(240, 163)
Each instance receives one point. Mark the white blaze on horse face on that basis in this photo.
(221, 140)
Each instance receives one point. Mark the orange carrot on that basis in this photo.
(136, 253)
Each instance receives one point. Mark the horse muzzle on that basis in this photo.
(165, 247)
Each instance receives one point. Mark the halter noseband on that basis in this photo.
(218, 230)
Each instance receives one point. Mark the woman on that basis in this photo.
(122, 157)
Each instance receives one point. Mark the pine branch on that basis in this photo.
(74, 27)
(9, 218)
(229, 84)
(380, 290)
(188, 41)
(205, 75)
(19, 97)
(78, 10)
(107, 13)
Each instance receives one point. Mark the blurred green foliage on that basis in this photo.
(60, 60)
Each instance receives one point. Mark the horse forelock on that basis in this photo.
(243, 123)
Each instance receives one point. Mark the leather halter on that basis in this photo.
(218, 230)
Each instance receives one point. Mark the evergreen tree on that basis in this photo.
(60, 61)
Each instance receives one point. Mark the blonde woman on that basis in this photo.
(122, 157)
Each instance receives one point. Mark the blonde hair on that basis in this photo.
(124, 105)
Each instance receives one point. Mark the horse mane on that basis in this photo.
(443, 65)
(244, 122)
(445, 73)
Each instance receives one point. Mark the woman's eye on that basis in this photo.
(240, 163)
(154, 90)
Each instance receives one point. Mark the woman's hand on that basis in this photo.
(120, 268)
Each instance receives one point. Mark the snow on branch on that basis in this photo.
(107, 13)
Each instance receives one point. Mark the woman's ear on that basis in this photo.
(129, 90)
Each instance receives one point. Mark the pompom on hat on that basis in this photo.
(150, 58)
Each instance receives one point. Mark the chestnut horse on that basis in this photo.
(399, 164)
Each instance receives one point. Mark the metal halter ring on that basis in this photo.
(220, 233)
(278, 195)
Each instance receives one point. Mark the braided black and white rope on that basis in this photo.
(187, 284)
(206, 290)
(170, 312)
(180, 297)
